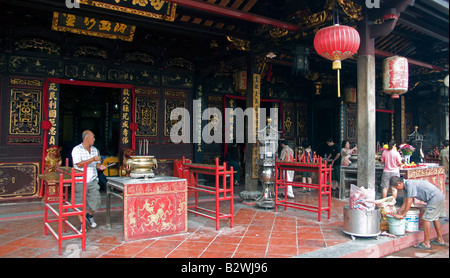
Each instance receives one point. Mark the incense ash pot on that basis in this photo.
(142, 166)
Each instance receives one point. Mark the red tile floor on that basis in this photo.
(257, 233)
(411, 252)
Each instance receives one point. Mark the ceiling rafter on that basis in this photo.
(234, 13)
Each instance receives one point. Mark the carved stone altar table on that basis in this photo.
(151, 207)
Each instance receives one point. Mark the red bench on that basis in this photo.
(304, 165)
(221, 191)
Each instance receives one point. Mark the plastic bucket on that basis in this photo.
(396, 226)
(412, 220)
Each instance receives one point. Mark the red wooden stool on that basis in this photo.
(62, 207)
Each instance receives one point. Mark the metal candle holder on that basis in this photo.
(268, 146)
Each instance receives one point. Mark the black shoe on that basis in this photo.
(80, 229)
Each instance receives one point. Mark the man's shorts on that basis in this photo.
(386, 178)
(93, 197)
(433, 212)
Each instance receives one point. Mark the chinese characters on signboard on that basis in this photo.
(53, 103)
(150, 8)
(256, 105)
(92, 26)
(125, 117)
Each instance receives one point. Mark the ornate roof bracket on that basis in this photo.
(350, 8)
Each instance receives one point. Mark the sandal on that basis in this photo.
(436, 242)
(422, 246)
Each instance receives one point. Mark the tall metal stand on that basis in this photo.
(268, 146)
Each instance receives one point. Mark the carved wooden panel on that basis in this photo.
(147, 112)
(173, 99)
(288, 120)
(18, 180)
(302, 121)
(165, 167)
(215, 119)
(25, 111)
(352, 123)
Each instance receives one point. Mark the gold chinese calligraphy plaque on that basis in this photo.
(150, 8)
(90, 26)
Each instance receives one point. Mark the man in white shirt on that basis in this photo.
(87, 153)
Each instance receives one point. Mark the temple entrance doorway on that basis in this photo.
(93, 108)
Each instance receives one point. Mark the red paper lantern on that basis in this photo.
(395, 76)
(337, 43)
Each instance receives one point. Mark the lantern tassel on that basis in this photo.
(337, 66)
(339, 84)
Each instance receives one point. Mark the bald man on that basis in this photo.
(87, 153)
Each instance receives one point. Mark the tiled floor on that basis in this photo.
(257, 233)
(411, 252)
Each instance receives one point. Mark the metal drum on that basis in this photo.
(362, 223)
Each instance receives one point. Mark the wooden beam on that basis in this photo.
(215, 9)
(427, 29)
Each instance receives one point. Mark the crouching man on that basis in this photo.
(425, 192)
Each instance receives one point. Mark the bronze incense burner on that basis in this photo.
(142, 166)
